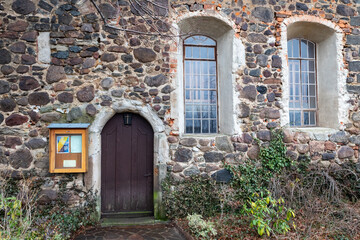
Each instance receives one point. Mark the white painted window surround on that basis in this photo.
(331, 75)
(230, 57)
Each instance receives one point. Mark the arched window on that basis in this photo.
(200, 85)
(302, 83)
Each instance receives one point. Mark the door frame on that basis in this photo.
(161, 149)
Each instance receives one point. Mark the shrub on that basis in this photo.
(269, 215)
(193, 195)
(201, 228)
(22, 216)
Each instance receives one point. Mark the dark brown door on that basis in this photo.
(127, 165)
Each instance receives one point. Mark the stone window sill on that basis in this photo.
(317, 133)
(213, 135)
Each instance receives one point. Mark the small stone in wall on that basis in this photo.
(6, 69)
(264, 135)
(28, 59)
(29, 36)
(86, 94)
(15, 119)
(144, 55)
(36, 143)
(108, 57)
(18, 47)
(345, 152)
(107, 83)
(23, 6)
(4, 87)
(188, 142)
(156, 81)
(65, 97)
(22, 69)
(303, 148)
(39, 98)
(11, 142)
(5, 56)
(190, 171)
(213, 156)
(276, 61)
(328, 156)
(50, 117)
(22, 158)
(183, 155)
(222, 176)
(90, 110)
(244, 110)
(340, 137)
(1, 118)
(74, 113)
(249, 92)
(28, 83)
(117, 92)
(177, 168)
(224, 144)
(345, 10)
(7, 105)
(301, 6)
(253, 152)
(263, 14)
(172, 139)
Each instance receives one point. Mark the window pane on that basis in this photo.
(205, 126)
(297, 102)
(213, 81)
(312, 90)
(304, 49)
(290, 48)
(188, 52)
(311, 77)
(306, 118)
(205, 81)
(212, 111)
(312, 118)
(200, 40)
(305, 102)
(297, 118)
(311, 50)
(204, 67)
(296, 52)
(305, 90)
(312, 102)
(304, 66)
(189, 126)
(203, 53)
(311, 66)
(211, 53)
(205, 111)
(197, 126)
(212, 66)
(196, 52)
(292, 118)
(196, 111)
(213, 126)
(213, 96)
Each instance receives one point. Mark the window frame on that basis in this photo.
(302, 109)
(217, 80)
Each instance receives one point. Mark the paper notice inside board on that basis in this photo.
(62, 143)
(69, 163)
(76, 144)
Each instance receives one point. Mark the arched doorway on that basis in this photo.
(127, 158)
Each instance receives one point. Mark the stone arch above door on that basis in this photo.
(161, 148)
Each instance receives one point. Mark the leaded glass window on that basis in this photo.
(200, 85)
(302, 71)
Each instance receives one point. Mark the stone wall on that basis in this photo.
(91, 67)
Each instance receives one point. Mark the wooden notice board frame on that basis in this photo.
(56, 164)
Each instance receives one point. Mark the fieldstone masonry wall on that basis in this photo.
(60, 63)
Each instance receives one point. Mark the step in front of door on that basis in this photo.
(128, 214)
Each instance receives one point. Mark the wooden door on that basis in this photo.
(127, 166)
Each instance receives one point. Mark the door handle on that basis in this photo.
(148, 175)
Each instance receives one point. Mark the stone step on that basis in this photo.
(130, 221)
